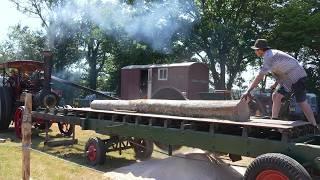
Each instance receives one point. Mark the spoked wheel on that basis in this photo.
(65, 128)
(165, 147)
(143, 148)
(8, 103)
(275, 166)
(95, 151)
(18, 116)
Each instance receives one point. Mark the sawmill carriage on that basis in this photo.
(283, 149)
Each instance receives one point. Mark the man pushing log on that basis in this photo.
(288, 73)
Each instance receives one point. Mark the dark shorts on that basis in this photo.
(298, 89)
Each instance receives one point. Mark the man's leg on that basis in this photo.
(299, 89)
(306, 108)
(276, 104)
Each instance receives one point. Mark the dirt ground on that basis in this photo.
(186, 164)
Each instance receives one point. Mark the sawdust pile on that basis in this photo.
(190, 166)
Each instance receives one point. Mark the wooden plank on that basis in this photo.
(269, 121)
(58, 118)
(26, 137)
(252, 122)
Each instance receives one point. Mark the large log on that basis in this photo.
(231, 109)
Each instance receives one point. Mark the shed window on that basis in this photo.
(163, 74)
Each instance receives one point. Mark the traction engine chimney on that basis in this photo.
(47, 57)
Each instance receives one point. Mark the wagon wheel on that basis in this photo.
(4, 123)
(18, 116)
(95, 151)
(42, 125)
(143, 148)
(275, 166)
(65, 128)
(165, 147)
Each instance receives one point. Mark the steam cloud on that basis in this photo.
(154, 23)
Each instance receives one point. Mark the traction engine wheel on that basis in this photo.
(95, 151)
(18, 116)
(275, 166)
(65, 128)
(143, 148)
(6, 107)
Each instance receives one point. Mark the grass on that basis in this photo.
(61, 163)
(64, 162)
(42, 166)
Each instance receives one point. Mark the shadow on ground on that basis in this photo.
(72, 153)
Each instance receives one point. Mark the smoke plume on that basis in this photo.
(154, 23)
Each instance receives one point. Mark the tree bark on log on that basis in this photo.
(230, 109)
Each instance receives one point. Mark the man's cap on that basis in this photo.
(260, 44)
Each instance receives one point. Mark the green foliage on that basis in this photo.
(224, 34)
(130, 52)
(298, 32)
(221, 37)
(66, 47)
(22, 43)
(298, 26)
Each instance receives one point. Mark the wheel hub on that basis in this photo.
(92, 152)
(271, 175)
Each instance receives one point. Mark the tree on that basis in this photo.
(224, 34)
(298, 32)
(22, 43)
(130, 52)
(60, 37)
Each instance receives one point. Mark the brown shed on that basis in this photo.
(164, 81)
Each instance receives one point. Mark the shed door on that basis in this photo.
(130, 84)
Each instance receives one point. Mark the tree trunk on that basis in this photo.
(222, 81)
(92, 57)
(230, 110)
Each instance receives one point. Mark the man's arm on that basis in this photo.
(253, 85)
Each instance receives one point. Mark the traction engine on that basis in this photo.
(27, 76)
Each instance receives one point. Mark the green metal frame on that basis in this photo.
(306, 149)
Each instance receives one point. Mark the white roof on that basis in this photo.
(159, 65)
